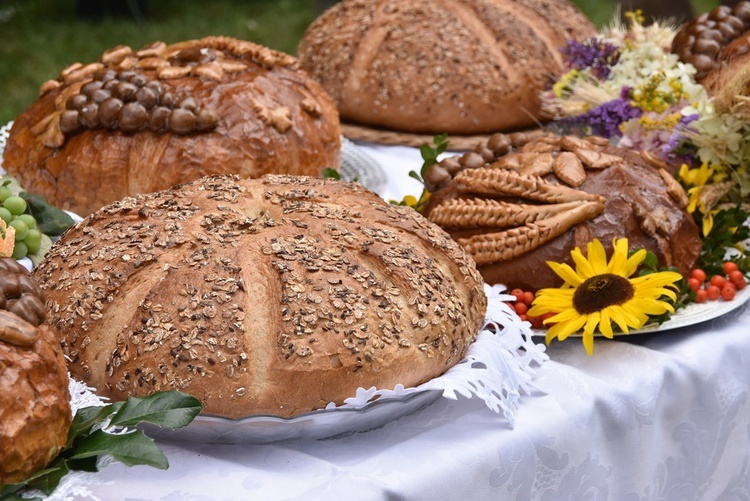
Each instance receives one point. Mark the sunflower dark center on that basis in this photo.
(601, 291)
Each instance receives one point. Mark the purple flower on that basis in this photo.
(679, 147)
(604, 120)
(593, 53)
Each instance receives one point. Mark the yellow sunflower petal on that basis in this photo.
(653, 285)
(605, 323)
(592, 321)
(618, 262)
(588, 343)
(564, 329)
(650, 306)
(622, 318)
(635, 261)
(588, 332)
(640, 317)
(567, 273)
(563, 316)
(551, 300)
(597, 257)
(583, 266)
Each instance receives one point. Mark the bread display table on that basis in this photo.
(651, 416)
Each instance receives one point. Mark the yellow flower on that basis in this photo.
(410, 201)
(696, 179)
(635, 17)
(598, 293)
(698, 176)
(563, 86)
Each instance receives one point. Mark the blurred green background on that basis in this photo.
(38, 38)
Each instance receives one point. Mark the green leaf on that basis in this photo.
(48, 479)
(171, 409)
(651, 261)
(9, 492)
(50, 220)
(441, 141)
(130, 449)
(87, 417)
(430, 154)
(83, 464)
(427, 152)
(415, 176)
(331, 173)
(167, 408)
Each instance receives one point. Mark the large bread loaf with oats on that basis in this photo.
(270, 296)
(138, 121)
(427, 66)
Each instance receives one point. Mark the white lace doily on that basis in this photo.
(498, 367)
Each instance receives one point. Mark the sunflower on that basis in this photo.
(598, 293)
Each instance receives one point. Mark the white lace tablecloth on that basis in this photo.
(662, 416)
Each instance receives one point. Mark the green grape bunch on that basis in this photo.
(13, 212)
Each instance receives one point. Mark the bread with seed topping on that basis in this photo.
(260, 296)
(138, 121)
(426, 66)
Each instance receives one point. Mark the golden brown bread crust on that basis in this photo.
(514, 207)
(34, 398)
(435, 66)
(270, 296)
(262, 113)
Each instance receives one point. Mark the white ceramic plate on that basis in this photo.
(317, 425)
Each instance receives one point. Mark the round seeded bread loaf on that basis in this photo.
(427, 66)
(34, 398)
(268, 296)
(141, 121)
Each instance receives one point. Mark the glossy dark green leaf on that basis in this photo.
(87, 417)
(48, 479)
(130, 449)
(171, 409)
(49, 219)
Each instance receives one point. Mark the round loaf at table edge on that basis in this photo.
(35, 412)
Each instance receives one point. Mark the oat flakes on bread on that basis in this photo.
(260, 296)
(34, 399)
(521, 200)
(449, 66)
(138, 121)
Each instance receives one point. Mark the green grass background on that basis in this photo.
(38, 38)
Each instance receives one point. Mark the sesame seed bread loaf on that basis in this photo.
(437, 66)
(141, 121)
(268, 296)
(34, 398)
